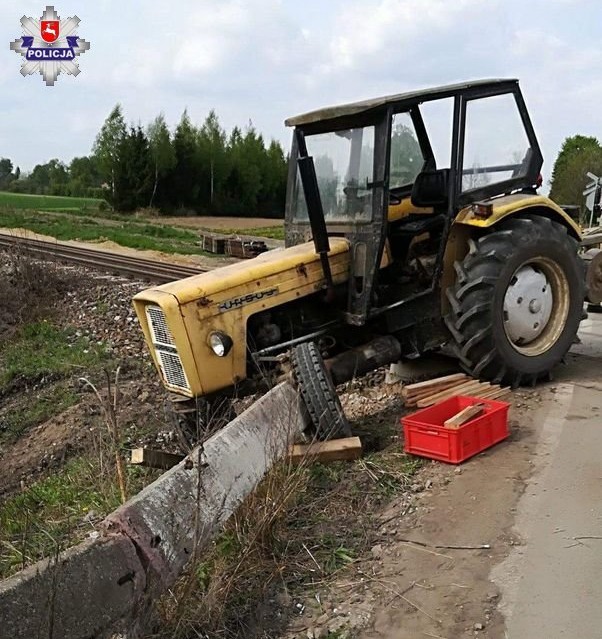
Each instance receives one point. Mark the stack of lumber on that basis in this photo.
(244, 248)
(433, 391)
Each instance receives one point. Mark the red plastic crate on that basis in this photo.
(426, 436)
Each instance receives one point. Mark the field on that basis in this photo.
(141, 236)
(224, 224)
(49, 202)
(91, 220)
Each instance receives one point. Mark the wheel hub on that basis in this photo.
(528, 305)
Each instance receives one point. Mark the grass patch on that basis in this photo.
(34, 410)
(299, 530)
(60, 511)
(41, 350)
(49, 202)
(145, 236)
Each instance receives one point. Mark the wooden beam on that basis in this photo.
(463, 416)
(497, 393)
(411, 389)
(411, 400)
(464, 389)
(344, 449)
(155, 458)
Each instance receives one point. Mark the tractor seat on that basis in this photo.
(418, 224)
(431, 189)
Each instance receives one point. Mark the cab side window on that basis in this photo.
(406, 157)
(496, 146)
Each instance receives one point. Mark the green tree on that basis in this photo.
(162, 152)
(135, 171)
(213, 160)
(578, 155)
(185, 176)
(39, 179)
(58, 177)
(274, 181)
(84, 176)
(107, 148)
(6, 172)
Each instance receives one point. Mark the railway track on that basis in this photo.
(100, 259)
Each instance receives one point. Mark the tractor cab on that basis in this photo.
(394, 172)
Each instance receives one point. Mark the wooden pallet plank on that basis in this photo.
(419, 386)
(345, 449)
(155, 458)
(412, 399)
(498, 393)
(464, 389)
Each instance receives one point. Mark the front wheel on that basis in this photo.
(323, 412)
(517, 301)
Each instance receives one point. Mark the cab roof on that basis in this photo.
(422, 95)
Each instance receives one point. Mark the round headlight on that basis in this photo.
(220, 344)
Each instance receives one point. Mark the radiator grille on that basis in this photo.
(165, 347)
(161, 333)
(172, 369)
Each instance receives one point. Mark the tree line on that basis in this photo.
(194, 169)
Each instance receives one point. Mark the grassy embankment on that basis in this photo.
(41, 363)
(142, 236)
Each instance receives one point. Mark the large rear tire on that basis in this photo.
(323, 411)
(517, 301)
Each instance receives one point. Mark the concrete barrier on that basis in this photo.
(181, 511)
(98, 586)
(89, 588)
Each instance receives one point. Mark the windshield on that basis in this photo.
(344, 163)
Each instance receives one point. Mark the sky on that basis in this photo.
(265, 60)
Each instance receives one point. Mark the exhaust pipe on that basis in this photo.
(363, 359)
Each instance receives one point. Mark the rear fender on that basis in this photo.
(516, 204)
(467, 226)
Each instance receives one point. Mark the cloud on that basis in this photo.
(390, 27)
(266, 60)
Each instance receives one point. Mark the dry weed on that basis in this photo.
(29, 290)
(299, 528)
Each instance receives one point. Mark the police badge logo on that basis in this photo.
(49, 46)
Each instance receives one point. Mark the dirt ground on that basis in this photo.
(99, 308)
(526, 515)
(206, 222)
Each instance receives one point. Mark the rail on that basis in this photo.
(101, 259)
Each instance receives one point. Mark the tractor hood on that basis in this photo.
(179, 318)
(214, 287)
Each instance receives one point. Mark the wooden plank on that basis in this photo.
(347, 448)
(155, 458)
(487, 392)
(500, 392)
(431, 391)
(463, 416)
(448, 379)
(464, 389)
(412, 399)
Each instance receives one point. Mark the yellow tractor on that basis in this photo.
(413, 225)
